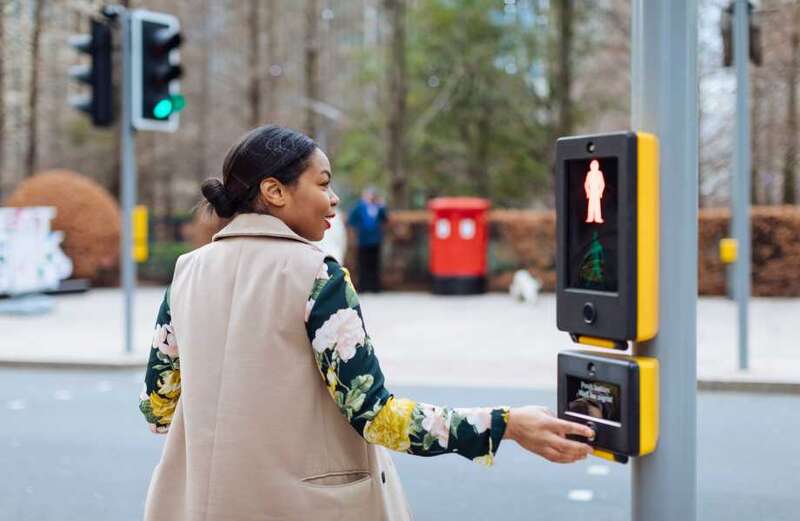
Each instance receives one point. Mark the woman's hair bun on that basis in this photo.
(217, 196)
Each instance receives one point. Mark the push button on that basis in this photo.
(589, 313)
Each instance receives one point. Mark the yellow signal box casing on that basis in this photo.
(140, 234)
(617, 396)
(647, 210)
(648, 404)
(607, 208)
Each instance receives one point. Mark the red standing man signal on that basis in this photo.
(594, 187)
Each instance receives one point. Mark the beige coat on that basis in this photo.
(256, 436)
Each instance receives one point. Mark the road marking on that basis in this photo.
(63, 395)
(16, 405)
(103, 387)
(598, 470)
(580, 495)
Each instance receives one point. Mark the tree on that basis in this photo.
(312, 65)
(2, 97)
(33, 93)
(563, 12)
(790, 158)
(201, 157)
(254, 87)
(272, 60)
(478, 125)
(396, 77)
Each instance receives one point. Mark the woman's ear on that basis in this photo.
(273, 192)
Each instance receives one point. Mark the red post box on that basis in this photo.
(459, 241)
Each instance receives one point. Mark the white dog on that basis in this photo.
(525, 287)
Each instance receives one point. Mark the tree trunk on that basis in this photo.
(201, 168)
(755, 111)
(272, 61)
(33, 93)
(397, 79)
(790, 160)
(484, 135)
(254, 89)
(312, 65)
(2, 100)
(564, 13)
(115, 174)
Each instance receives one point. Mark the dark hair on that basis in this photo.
(268, 151)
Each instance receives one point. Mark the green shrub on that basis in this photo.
(160, 265)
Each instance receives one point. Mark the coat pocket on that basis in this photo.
(342, 496)
(338, 479)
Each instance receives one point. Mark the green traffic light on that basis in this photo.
(178, 102)
(163, 108)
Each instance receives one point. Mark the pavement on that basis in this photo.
(486, 340)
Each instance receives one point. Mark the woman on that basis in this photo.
(274, 402)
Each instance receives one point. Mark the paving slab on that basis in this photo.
(486, 340)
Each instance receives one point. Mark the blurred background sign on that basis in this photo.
(31, 259)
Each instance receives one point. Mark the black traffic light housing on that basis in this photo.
(754, 32)
(98, 45)
(607, 238)
(156, 69)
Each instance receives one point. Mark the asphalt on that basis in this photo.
(486, 340)
(74, 447)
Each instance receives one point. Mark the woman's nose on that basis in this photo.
(334, 198)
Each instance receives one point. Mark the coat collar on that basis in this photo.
(258, 225)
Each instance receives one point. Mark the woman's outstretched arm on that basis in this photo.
(350, 369)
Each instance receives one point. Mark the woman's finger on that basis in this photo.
(555, 456)
(568, 427)
(564, 445)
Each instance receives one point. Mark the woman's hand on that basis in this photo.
(537, 430)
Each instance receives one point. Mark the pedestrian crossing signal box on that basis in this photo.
(616, 396)
(607, 208)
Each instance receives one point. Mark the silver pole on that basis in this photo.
(128, 183)
(741, 179)
(664, 101)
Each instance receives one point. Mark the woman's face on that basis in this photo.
(311, 202)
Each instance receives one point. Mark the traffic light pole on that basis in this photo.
(664, 102)
(741, 179)
(128, 182)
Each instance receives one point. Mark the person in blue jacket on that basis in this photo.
(368, 218)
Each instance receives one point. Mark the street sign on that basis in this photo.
(616, 396)
(607, 238)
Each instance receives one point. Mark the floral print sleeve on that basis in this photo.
(162, 381)
(350, 370)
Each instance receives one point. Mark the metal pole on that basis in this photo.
(128, 183)
(741, 178)
(664, 101)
